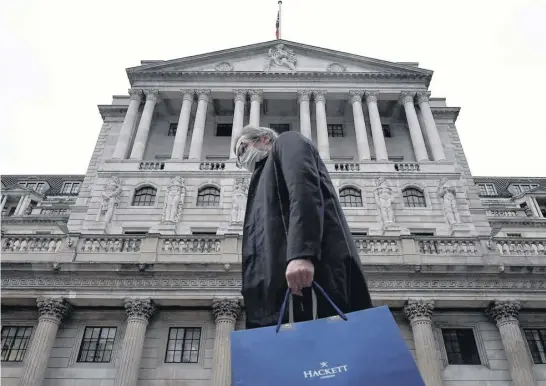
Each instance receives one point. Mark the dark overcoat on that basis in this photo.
(293, 212)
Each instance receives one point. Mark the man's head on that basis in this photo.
(253, 145)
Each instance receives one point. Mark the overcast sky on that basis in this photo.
(62, 58)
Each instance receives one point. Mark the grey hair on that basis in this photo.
(252, 133)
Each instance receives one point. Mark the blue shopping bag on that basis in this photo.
(358, 348)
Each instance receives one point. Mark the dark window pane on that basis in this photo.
(460, 346)
(350, 197)
(144, 196)
(536, 338)
(414, 198)
(97, 344)
(172, 129)
(224, 129)
(209, 196)
(183, 345)
(15, 340)
(335, 130)
(280, 127)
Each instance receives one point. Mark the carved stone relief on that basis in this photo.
(110, 199)
(447, 194)
(240, 193)
(384, 198)
(336, 67)
(174, 200)
(224, 66)
(280, 56)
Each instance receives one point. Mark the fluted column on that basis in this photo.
(305, 114)
(182, 127)
(226, 312)
(322, 124)
(419, 314)
(52, 311)
(377, 130)
(138, 312)
(430, 127)
(238, 117)
(406, 98)
(256, 98)
(360, 127)
(141, 138)
(506, 314)
(124, 137)
(196, 147)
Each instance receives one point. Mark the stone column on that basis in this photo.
(182, 129)
(322, 124)
(430, 127)
(505, 314)
(52, 311)
(256, 98)
(143, 130)
(419, 314)
(238, 117)
(305, 114)
(3, 203)
(377, 130)
(360, 127)
(21, 206)
(124, 137)
(406, 98)
(226, 312)
(139, 312)
(196, 147)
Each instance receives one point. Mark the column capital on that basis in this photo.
(203, 95)
(356, 95)
(226, 309)
(304, 95)
(407, 97)
(320, 95)
(152, 95)
(418, 310)
(187, 94)
(256, 95)
(504, 311)
(371, 95)
(54, 309)
(139, 308)
(239, 95)
(422, 96)
(135, 94)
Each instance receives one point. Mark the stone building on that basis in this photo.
(130, 274)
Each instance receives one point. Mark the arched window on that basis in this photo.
(208, 196)
(350, 197)
(144, 196)
(414, 198)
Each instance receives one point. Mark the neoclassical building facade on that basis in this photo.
(129, 275)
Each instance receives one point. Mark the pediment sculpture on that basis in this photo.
(224, 66)
(336, 67)
(110, 199)
(174, 200)
(280, 55)
(238, 208)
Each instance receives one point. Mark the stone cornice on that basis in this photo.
(112, 111)
(34, 219)
(451, 113)
(532, 222)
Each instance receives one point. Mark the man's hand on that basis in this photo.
(299, 274)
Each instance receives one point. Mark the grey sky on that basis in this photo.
(61, 58)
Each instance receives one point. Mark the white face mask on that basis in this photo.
(251, 157)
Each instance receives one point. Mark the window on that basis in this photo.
(136, 233)
(15, 341)
(280, 127)
(172, 129)
(422, 234)
(144, 196)
(335, 130)
(536, 338)
(359, 234)
(350, 197)
(209, 196)
(70, 188)
(183, 345)
(513, 235)
(520, 188)
(541, 202)
(386, 131)
(224, 129)
(487, 190)
(460, 345)
(36, 186)
(414, 198)
(97, 344)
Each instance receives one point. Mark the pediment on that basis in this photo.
(279, 56)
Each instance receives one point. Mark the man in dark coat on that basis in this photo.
(294, 232)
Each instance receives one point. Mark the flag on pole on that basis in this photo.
(278, 24)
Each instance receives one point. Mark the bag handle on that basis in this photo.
(287, 299)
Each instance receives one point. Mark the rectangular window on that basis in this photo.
(460, 345)
(536, 338)
(386, 131)
(172, 129)
(423, 234)
(280, 127)
(224, 129)
(70, 188)
(513, 235)
(15, 341)
(487, 190)
(335, 130)
(183, 345)
(97, 344)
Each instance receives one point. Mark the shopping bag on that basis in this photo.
(357, 348)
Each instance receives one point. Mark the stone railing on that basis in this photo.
(32, 243)
(521, 247)
(377, 245)
(190, 244)
(151, 165)
(105, 244)
(448, 246)
(346, 167)
(212, 166)
(407, 167)
(55, 211)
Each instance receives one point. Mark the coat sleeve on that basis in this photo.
(297, 161)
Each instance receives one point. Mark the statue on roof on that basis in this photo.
(281, 56)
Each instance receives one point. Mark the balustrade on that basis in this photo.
(28, 243)
(377, 246)
(346, 167)
(523, 247)
(151, 165)
(448, 246)
(55, 211)
(212, 166)
(105, 244)
(191, 244)
(407, 167)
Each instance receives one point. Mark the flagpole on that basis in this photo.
(280, 19)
